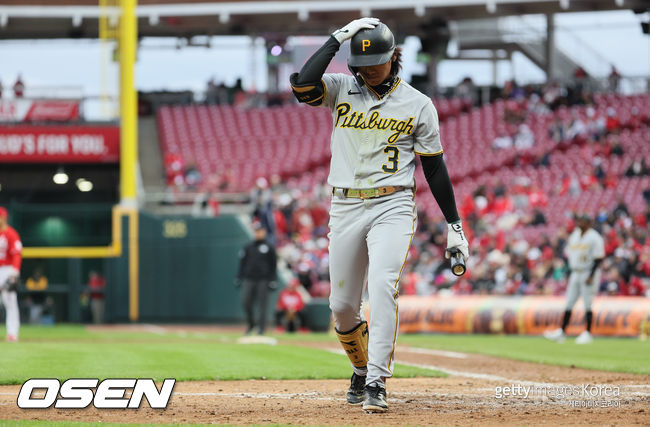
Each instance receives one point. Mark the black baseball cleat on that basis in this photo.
(374, 399)
(355, 392)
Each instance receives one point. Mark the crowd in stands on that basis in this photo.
(504, 260)
(235, 95)
(501, 262)
(517, 219)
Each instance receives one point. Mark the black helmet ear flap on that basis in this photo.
(356, 75)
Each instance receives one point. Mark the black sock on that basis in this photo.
(589, 318)
(565, 321)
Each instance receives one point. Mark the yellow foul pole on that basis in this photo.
(129, 142)
(128, 103)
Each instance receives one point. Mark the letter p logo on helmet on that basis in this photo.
(365, 44)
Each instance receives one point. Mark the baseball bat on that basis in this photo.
(457, 262)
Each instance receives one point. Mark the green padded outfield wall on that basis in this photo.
(188, 267)
(186, 271)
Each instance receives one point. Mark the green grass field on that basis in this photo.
(71, 351)
(606, 354)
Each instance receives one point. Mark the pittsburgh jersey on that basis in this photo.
(375, 140)
(583, 249)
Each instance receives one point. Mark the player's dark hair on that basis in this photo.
(397, 63)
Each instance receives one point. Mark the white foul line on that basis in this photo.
(475, 375)
(443, 353)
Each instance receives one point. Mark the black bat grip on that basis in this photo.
(457, 262)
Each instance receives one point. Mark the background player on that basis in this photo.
(380, 124)
(585, 250)
(10, 260)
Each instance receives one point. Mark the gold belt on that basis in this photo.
(369, 193)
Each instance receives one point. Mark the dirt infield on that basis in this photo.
(468, 395)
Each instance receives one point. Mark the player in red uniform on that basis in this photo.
(10, 260)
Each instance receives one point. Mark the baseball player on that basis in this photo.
(10, 260)
(585, 251)
(380, 123)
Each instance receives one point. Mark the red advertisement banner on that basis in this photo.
(59, 144)
(38, 110)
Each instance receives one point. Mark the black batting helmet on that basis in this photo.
(371, 47)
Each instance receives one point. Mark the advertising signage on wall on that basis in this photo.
(59, 144)
(38, 110)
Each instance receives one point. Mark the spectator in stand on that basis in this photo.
(553, 95)
(206, 203)
(262, 200)
(467, 92)
(612, 123)
(635, 287)
(638, 167)
(536, 218)
(595, 124)
(613, 80)
(192, 176)
(615, 147)
(97, 287)
(635, 121)
(289, 307)
(235, 91)
(599, 171)
(211, 92)
(524, 138)
(225, 180)
(536, 105)
(503, 141)
(579, 73)
(578, 93)
(558, 130)
(621, 210)
(514, 112)
(513, 91)
(19, 87)
(537, 197)
(577, 129)
(222, 94)
(174, 166)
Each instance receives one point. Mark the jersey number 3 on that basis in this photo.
(393, 158)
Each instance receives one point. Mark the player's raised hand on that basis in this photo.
(456, 239)
(353, 27)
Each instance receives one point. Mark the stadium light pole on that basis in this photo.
(129, 143)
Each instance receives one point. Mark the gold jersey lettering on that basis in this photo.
(358, 120)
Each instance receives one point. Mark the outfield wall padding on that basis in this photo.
(531, 315)
(188, 267)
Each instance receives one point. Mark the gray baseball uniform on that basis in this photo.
(374, 143)
(379, 124)
(582, 249)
